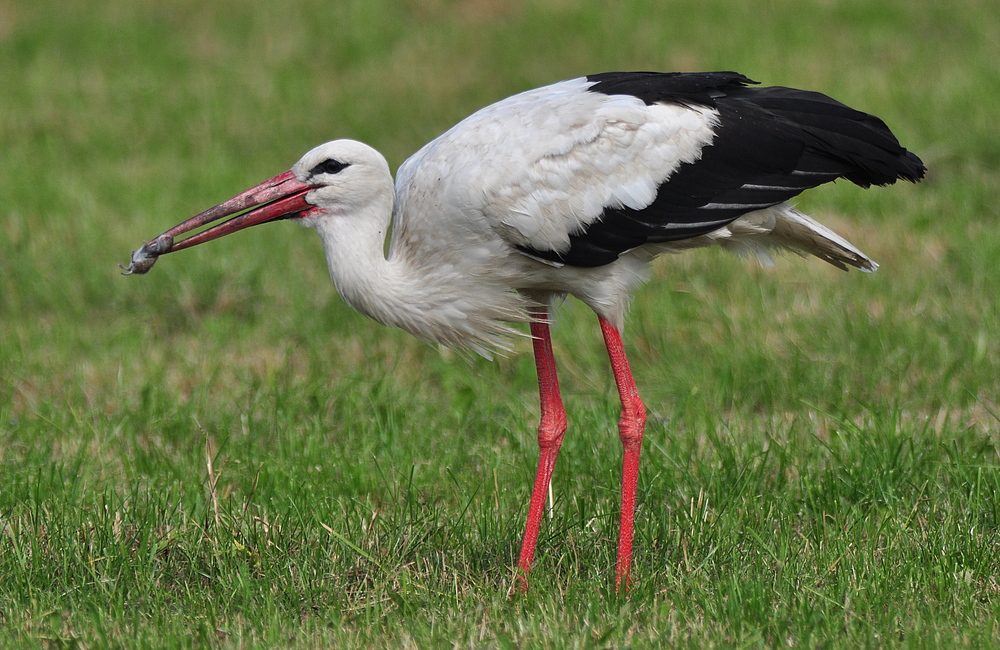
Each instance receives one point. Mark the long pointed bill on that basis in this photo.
(282, 197)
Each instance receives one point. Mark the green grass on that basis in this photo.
(821, 462)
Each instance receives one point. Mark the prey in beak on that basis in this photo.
(282, 197)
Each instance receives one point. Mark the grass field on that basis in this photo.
(222, 454)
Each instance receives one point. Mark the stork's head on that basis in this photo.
(335, 180)
(345, 176)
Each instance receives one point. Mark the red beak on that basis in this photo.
(282, 197)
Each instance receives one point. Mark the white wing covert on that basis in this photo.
(545, 164)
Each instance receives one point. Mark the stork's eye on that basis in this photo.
(330, 166)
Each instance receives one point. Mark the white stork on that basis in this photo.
(572, 188)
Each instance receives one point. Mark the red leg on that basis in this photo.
(630, 430)
(550, 437)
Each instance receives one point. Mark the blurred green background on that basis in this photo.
(118, 120)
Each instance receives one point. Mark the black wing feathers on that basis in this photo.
(679, 87)
(770, 144)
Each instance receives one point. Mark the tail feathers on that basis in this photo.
(785, 228)
(800, 233)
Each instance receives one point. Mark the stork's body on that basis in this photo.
(569, 189)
